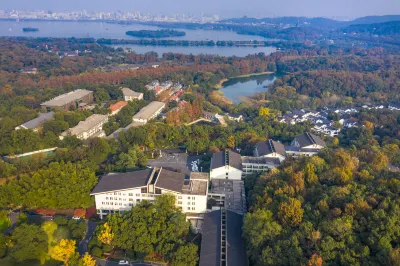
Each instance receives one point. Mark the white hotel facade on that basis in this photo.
(119, 192)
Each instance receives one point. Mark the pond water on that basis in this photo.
(238, 89)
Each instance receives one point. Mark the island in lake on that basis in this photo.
(156, 33)
(29, 29)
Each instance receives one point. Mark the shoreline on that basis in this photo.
(219, 84)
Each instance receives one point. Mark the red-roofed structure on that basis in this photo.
(115, 108)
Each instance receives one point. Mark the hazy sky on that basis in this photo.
(225, 8)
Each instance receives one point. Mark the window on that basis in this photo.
(130, 204)
(138, 200)
(180, 202)
(193, 198)
(130, 199)
(193, 208)
(120, 199)
(188, 208)
(111, 198)
(193, 203)
(137, 195)
(188, 198)
(143, 190)
(158, 191)
(106, 198)
(120, 204)
(179, 197)
(111, 203)
(130, 194)
(119, 194)
(115, 193)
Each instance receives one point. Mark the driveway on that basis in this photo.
(82, 247)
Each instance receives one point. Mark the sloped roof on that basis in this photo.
(210, 254)
(222, 158)
(117, 106)
(67, 98)
(308, 139)
(88, 124)
(170, 180)
(129, 92)
(149, 110)
(270, 146)
(38, 121)
(121, 181)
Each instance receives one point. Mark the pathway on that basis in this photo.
(82, 247)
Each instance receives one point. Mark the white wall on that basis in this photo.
(220, 173)
(124, 200)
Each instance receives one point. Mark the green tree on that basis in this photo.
(101, 95)
(290, 212)
(186, 255)
(29, 243)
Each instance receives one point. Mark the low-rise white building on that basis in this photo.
(130, 95)
(253, 165)
(91, 127)
(119, 192)
(226, 165)
(152, 110)
(306, 144)
(270, 149)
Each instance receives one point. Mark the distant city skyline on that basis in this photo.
(223, 8)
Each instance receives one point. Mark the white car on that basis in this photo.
(123, 262)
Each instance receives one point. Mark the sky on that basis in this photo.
(224, 8)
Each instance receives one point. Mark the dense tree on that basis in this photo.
(61, 185)
(63, 250)
(29, 243)
(346, 212)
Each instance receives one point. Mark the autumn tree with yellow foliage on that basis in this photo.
(87, 260)
(63, 250)
(106, 236)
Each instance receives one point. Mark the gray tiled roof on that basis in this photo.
(270, 146)
(149, 110)
(211, 240)
(67, 98)
(121, 181)
(129, 92)
(170, 180)
(233, 159)
(88, 124)
(38, 121)
(308, 139)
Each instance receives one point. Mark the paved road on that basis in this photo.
(82, 247)
(113, 263)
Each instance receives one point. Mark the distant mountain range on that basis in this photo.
(323, 23)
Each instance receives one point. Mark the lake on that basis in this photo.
(237, 89)
(196, 50)
(80, 29)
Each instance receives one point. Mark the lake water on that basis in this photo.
(237, 89)
(62, 29)
(80, 29)
(196, 50)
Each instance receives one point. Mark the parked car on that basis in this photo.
(123, 262)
